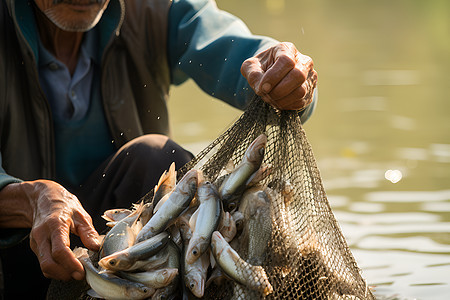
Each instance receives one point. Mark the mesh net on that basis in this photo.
(307, 256)
(296, 239)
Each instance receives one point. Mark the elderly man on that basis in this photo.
(83, 118)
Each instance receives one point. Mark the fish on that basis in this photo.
(178, 201)
(125, 259)
(122, 235)
(257, 231)
(154, 278)
(170, 291)
(253, 277)
(208, 218)
(194, 275)
(165, 186)
(108, 286)
(235, 182)
(117, 214)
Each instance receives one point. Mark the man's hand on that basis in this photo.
(282, 76)
(56, 214)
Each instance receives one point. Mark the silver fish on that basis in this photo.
(122, 235)
(251, 162)
(155, 278)
(125, 259)
(208, 218)
(177, 202)
(109, 286)
(257, 231)
(253, 277)
(194, 274)
(117, 214)
(170, 291)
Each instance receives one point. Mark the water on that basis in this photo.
(381, 132)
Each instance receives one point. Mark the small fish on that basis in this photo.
(178, 201)
(208, 218)
(122, 235)
(125, 259)
(194, 274)
(253, 277)
(235, 182)
(155, 278)
(109, 286)
(115, 215)
(170, 291)
(257, 230)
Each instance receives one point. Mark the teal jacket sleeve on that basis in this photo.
(209, 46)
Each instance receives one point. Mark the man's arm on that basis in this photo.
(52, 213)
(211, 46)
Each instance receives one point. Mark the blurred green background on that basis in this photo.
(380, 133)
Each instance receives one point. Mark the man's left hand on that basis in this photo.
(282, 76)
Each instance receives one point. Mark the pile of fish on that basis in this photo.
(188, 238)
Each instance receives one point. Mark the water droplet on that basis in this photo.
(201, 65)
(103, 175)
(232, 40)
(121, 134)
(158, 118)
(173, 151)
(148, 110)
(145, 85)
(234, 95)
(128, 153)
(225, 59)
(112, 142)
(179, 63)
(212, 94)
(190, 61)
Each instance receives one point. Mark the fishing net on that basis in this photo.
(302, 248)
(307, 256)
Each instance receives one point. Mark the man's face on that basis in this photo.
(73, 15)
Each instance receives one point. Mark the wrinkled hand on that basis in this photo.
(56, 214)
(282, 76)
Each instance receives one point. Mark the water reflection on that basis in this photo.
(383, 79)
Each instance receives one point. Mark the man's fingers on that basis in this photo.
(293, 80)
(63, 256)
(251, 69)
(89, 237)
(282, 66)
(85, 230)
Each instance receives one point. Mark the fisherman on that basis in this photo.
(83, 118)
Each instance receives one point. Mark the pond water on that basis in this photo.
(381, 131)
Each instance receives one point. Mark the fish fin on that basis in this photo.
(93, 294)
(167, 175)
(193, 220)
(80, 252)
(212, 260)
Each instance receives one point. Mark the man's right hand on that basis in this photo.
(53, 213)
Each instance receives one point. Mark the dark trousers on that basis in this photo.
(120, 181)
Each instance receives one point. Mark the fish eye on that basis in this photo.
(261, 151)
(145, 290)
(192, 285)
(194, 252)
(231, 206)
(112, 262)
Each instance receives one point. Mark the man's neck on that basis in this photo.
(64, 45)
